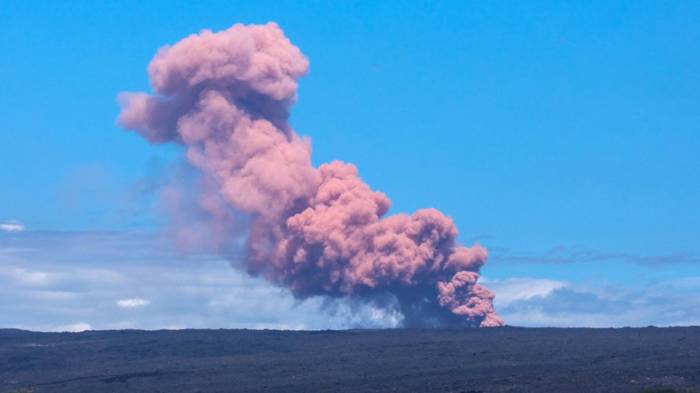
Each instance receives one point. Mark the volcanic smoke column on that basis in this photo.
(225, 97)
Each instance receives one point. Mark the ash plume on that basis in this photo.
(318, 231)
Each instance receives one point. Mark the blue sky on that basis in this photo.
(562, 136)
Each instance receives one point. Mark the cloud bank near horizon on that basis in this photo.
(72, 281)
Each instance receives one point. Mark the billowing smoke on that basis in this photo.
(225, 97)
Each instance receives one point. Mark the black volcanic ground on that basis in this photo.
(477, 360)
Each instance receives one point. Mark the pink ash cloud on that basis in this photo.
(318, 231)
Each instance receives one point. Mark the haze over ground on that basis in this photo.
(562, 138)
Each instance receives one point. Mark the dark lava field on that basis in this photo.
(403, 360)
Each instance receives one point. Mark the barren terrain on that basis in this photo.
(403, 360)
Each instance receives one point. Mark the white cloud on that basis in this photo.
(521, 288)
(74, 327)
(27, 277)
(133, 303)
(11, 226)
